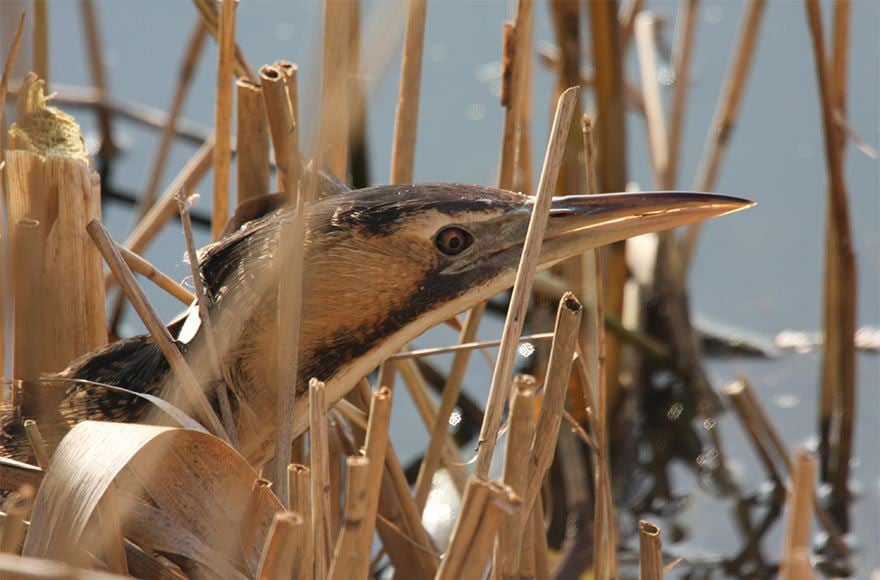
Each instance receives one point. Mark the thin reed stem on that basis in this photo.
(223, 116)
(96, 67)
(37, 443)
(681, 64)
(283, 547)
(799, 508)
(357, 493)
(320, 476)
(403, 150)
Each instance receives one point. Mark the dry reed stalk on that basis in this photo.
(72, 291)
(169, 127)
(251, 517)
(650, 551)
(518, 54)
(299, 493)
(28, 251)
(403, 152)
(203, 303)
(568, 319)
(508, 547)
(645, 34)
(610, 137)
(465, 347)
(278, 112)
(141, 266)
(41, 39)
(736, 394)
(451, 390)
(527, 551)
(223, 116)
(473, 504)
(542, 549)
(113, 543)
(800, 516)
(252, 142)
(375, 450)
(681, 64)
(290, 74)
(335, 69)
(524, 276)
(41, 452)
(502, 502)
(346, 560)
(17, 508)
(627, 18)
(418, 389)
(281, 552)
(839, 355)
(566, 23)
(96, 67)
(187, 380)
(11, 57)
(726, 114)
(320, 476)
(211, 17)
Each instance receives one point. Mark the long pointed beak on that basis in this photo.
(581, 222)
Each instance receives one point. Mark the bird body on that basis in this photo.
(382, 265)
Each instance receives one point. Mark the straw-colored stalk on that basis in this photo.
(17, 507)
(28, 253)
(527, 566)
(299, 500)
(113, 543)
(523, 283)
(508, 547)
(645, 34)
(210, 16)
(141, 266)
(281, 123)
(252, 142)
(169, 128)
(418, 389)
(568, 319)
(628, 14)
(726, 114)
(358, 154)
(800, 517)
(41, 39)
(739, 399)
(223, 116)
(542, 549)
(357, 491)
(403, 152)
(320, 476)
(839, 356)
(517, 54)
(566, 23)
(681, 64)
(467, 346)
(11, 57)
(72, 293)
(335, 69)
(525, 43)
(650, 552)
(283, 547)
(610, 136)
(192, 391)
(290, 75)
(37, 444)
(451, 390)
(250, 520)
(202, 302)
(96, 66)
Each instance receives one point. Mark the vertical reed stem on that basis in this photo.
(403, 151)
(223, 117)
(650, 552)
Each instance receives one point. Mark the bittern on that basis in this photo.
(382, 265)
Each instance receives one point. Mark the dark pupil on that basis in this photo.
(454, 241)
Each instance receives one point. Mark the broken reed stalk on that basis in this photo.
(650, 551)
(299, 500)
(223, 117)
(418, 389)
(610, 137)
(502, 502)
(523, 284)
(37, 444)
(211, 18)
(839, 354)
(357, 493)
(283, 547)
(797, 546)
(508, 546)
(568, 319)
(252, 142)
(251, 517)
(96, 67)
(320, 476)
(192, 391)
(517, 53)
(141, 266)
(449, 399)
(28, 254)
(726, 114)
(334, 110)
(203, 303)
(41, 39)
(290, 75)
(375, 450)
(681, 64)
(278, 113)
(169, 128)
(403, 150)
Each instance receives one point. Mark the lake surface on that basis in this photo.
(760, 271)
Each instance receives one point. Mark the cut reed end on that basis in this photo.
(41, 129)
(571, 304)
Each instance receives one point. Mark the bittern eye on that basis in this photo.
(453, 240)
